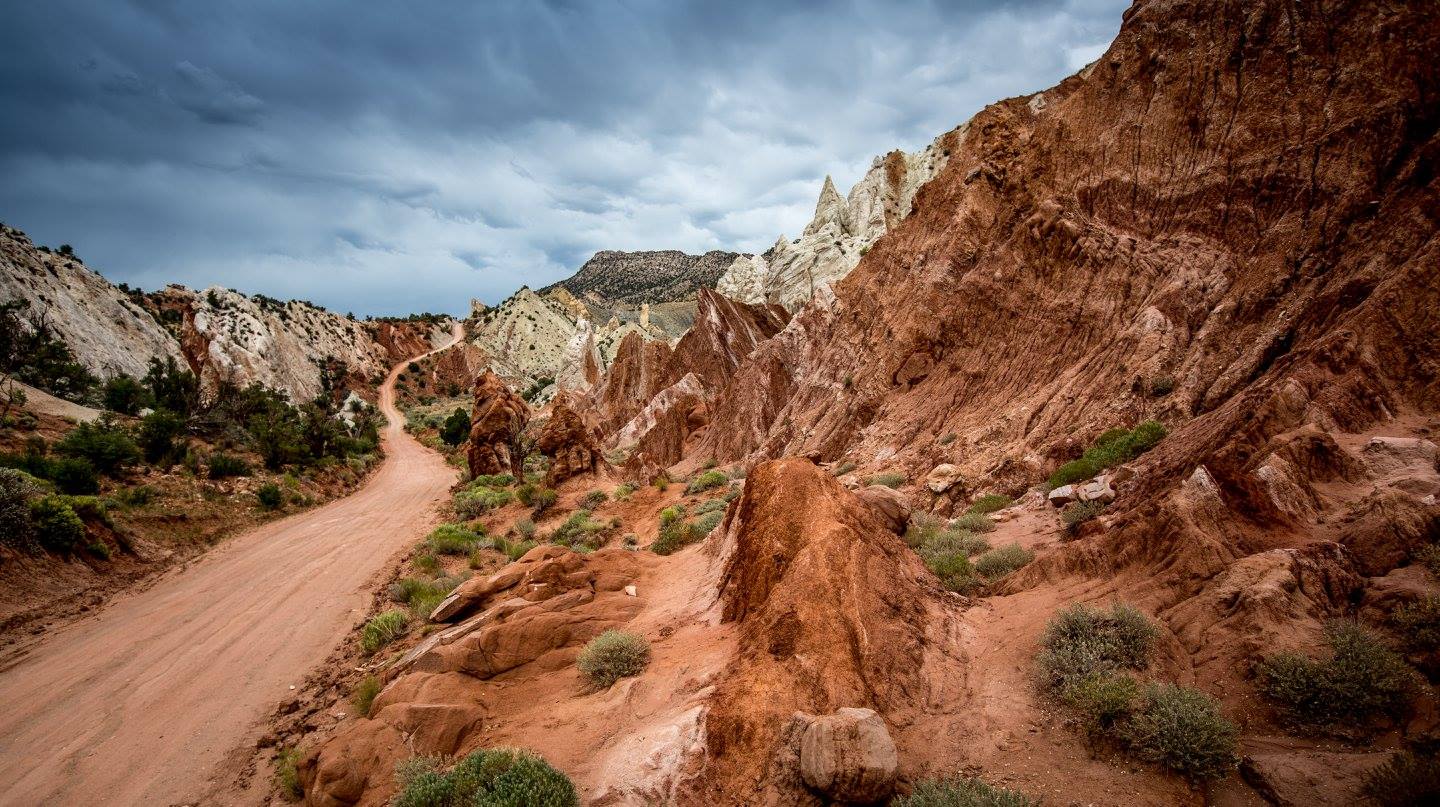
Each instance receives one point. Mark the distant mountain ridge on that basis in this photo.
(653, 276)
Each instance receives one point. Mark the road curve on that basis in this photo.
(139, 703)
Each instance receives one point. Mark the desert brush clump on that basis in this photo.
(594, 499)
(1074, 514)
(1182, 729)
(1081, 641)
(706, 481)
(1359, 680)
(454, 539)
(382, 630)
(287, 775)
(990, 503)
(363, 696)
(1429, 557)
(477, 500)
(1418, 624)
(1112, 448)
(922, 528)
(269, 496)
(889, 479)
(56, 524)
(1003, 560)
(611, 656)
(675, 532)
(974, 522)
(961, 791)
(223, 466)
(491, 777)
(16, 490)
(1405, 779)
(580, 531)
(951, 564)
(542, 501)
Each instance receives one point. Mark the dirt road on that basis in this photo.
(137, 705)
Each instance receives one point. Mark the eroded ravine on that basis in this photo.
(139, 703)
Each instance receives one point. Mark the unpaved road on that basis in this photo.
(137, 704)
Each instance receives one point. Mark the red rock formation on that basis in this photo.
(572, 445)
(496, 422)
(637, 374)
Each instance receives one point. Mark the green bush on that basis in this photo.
(622, 493)
(103, 443)
(453, 539)
(514, 550)
(543, 500)
(1074, 514)
(269, 496)
(974, 522)
(611, 656)
(524, 527)
(1002, 561)
(222, 466)
(1101, 701)
(475, 502)
(843, 468)
(287, 774)
(498, 777)
(1361, 679)
(456, 428)
(954, 570)
(125, 395)
(57, 526)
(1161, 385)
(889, 479)
(989, 504)
(16, 490)
(961, 792)
(73, 475)
(494, 481)
(363, 697)
(950, 541)
(159, 431)
(706, 481)
(708, 522)
(382, 630)
(1081, 642)
(922, 528)
(1111, 448)
(1405, 780)
(594, 499)
(1419, 624)
(579, 529)
(675, 532)
(712, 506)
(1182, 729)
(138, 496)
(1429, 557)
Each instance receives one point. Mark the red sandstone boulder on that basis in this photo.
(496, 422)
(572, 445)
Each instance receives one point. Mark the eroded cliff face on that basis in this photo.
(790, 273)
(110, 333)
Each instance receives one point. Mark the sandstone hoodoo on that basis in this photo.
(572, 445)
(497, 422)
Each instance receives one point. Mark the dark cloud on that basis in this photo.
(386, 156)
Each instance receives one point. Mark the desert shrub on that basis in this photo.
(476, 502)
(269, 496)
(1182, 729)
(456, 428)
(579, 528)
(843, 468)
(125, 395)
(961, 792)
(99, 549)
(954, 570)
(1081, 642)
(383, 629)
(675, 532)
(1074, 514)
(594, 499)
(1114, 447)
(104, 444)
(498, 777)
(453, 539)
(611, 656)
(1101, 701)
(1405, 779)
(1429, 557)
(990, 503)
(525, 493)
(888, 479)
(974, 522)
(1360, 679)
(524, 527)
(922, 528)
(16, 528)
(287, 775)
(363, 696)
(514, 550)
(1161, 385)
(73, 475)
(706, 481)
(623, 492)
(158, 435)
(708, 521)
(221, 466)
(1419, 624)
(493, 481)
(712, 506)
(138, 496)
(1002, 561)
(57, 526)
(543, 500)
(427, 562)
(89, 508)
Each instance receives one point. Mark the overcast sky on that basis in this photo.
(385, 157)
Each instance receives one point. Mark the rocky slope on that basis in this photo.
(843, 228)
(632, 278)
(109, 332)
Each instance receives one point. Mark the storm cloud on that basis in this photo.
(385, 157)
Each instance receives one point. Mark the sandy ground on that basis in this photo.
(41, 401)
(139, 703)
